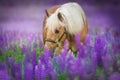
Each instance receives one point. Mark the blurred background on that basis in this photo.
(27, 15)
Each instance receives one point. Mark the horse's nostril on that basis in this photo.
(56, 31)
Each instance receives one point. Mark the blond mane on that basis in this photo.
(73, 15)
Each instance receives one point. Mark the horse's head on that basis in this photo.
(54, 33)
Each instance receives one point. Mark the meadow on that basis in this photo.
(22, 58)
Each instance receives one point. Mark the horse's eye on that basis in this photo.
(56, 31)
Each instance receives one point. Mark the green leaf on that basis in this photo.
(77, 78)
(38, 52)
(2, 57)
(61, 76)
(99, 71)
(18, 50)
(10, 53)
(19, 58)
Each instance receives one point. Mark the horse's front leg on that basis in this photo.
(73, 47)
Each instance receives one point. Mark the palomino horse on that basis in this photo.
(62, 22)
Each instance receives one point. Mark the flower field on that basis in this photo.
(22, 58)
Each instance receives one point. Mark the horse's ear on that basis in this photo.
(46, 12)
(60, 17)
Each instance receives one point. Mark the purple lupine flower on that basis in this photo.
(99, 43)
(27, 58)
(54, 74)
(40, 72)
(23, 49)
(34, 45)
(89, 45)
(15, 68)
(17, 72)
(94, 60)
(34, 61)
(80, 47)
(3, 72)
(45, 59)
(82, 66)
(114, 76)
(107, 63)
(73, 67)
(102, 77)
(45, 56)
(28, 71)
(50, 71)
(108, 36)
(28, 68)
(89, 69)
(4, 75)
(40, 43)
(99, 48)
(34, 57)
(58, 63)
(88, 40)
(82, 71)
(65, 50)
